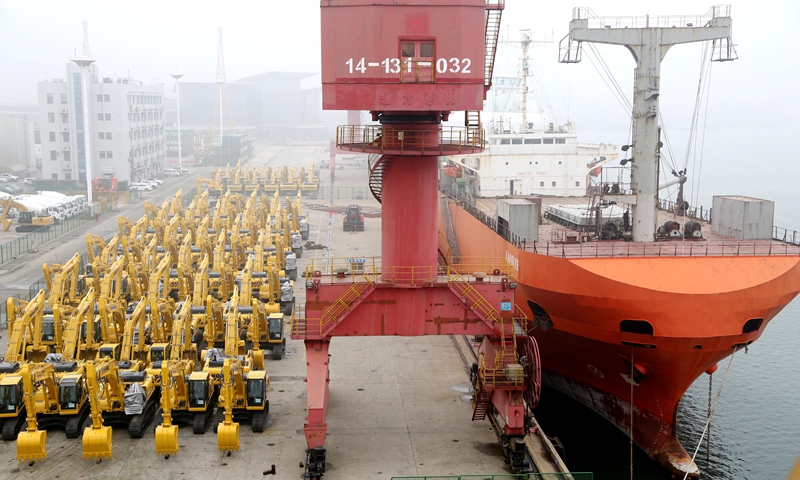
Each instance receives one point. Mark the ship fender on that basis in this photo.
(713, 368)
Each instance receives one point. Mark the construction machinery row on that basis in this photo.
(244, 180)
(178, 311)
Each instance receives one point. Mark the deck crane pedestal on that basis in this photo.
(433, 57)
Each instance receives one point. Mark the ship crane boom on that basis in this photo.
(649, 45)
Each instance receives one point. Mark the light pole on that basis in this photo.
(177, 77)
(84, 62)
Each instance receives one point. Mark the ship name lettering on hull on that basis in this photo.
(512, 260)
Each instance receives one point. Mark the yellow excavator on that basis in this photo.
(12, 407)
(128, 397)
(172, 394)
(180, 346)
(29, 220)
(97, 437)
(60, 397)
(243, 396)
(32, 443)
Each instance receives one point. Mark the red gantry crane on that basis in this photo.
(410, 64)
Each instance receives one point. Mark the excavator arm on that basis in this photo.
(23, 321)
(83, 314)
(31, 444)
(228, 430)
(232, 325)
(112, 301)
(97, 437)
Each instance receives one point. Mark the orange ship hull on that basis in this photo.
(698, 308)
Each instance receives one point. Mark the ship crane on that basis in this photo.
(649, 45)
(433, 58)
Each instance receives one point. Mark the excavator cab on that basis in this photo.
(48, 329)
(200, 391)
(70, 393)
(11, 397)
(109, 350)
(257, 387)
(276, 340)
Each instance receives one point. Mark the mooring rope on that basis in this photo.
(711, 414)
(632, 381)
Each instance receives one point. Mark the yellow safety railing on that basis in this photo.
(469, 269)
(353, 294)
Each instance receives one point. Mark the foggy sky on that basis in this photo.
(753, 115)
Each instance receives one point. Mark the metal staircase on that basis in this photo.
(317, 328)
(377, 166)
(495, 375)
(494, 11)
(483, 402)
(450, 232)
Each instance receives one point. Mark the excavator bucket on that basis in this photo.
(167, 440)
(31, 446)
(228, 437)
(97, 443)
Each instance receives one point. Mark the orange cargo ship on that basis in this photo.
(672, 310)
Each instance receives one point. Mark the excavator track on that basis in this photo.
(260, 419)
(277, 350)
(76, 423)
(139, 422)
(12, 426)
(201, 421)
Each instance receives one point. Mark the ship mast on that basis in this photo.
(525, 43)
(649, 45)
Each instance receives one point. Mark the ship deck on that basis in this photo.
(578, 243)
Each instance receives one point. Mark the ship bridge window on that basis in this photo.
(533, 141)
(547, 141)
(516, 141)
(752, 325)
(561, 140)
(642, 327)
(505, 141)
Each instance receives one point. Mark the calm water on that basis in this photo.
(755, 433)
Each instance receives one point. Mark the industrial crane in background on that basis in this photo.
(222, 102)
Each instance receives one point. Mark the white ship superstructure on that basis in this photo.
(526, 153)
(547, 160)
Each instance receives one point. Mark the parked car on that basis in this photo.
(29, 181)
(151, 183)
(154, 180)
(171, 172)
(9, 177)
(11, 189)
(142, 186)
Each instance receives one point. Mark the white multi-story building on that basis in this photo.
(125, 121)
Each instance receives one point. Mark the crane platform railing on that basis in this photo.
(340, 270)
(647, 21)
(377, 138)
